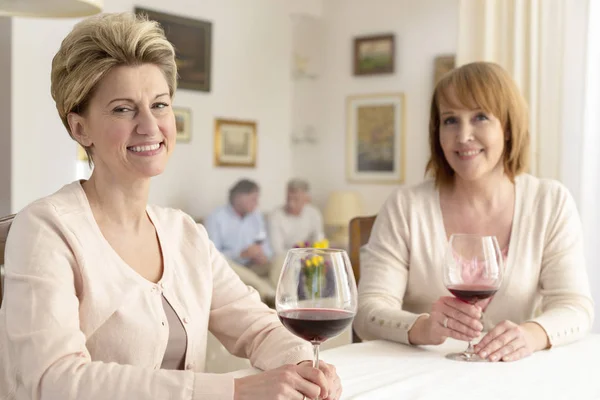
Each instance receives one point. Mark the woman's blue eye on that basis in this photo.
(161, 105)
(449, 120)
(481, 117)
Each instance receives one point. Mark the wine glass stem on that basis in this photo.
(316, 360)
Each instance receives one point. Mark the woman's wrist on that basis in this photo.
(416, 335)
(539, 338)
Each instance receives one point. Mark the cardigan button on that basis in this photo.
(186, 320)
(189, 366)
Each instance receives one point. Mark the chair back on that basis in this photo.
(360, 231)
(5, 223)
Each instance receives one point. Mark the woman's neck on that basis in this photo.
(489, 193)
(117, 202)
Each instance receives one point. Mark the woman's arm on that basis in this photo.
(245, 325)
(47, 347)
(384, 277)
(567, 306)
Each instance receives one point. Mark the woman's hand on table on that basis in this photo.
(291, 382)
(449, 317)
(511, 342)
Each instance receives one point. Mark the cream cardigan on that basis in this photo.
(78, 323)
(545, 275)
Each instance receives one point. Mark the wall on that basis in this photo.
(590, 155)
(5, 115)
(251, 67)
(424, 29)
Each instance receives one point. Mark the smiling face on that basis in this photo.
(472, 139)
(129, 123)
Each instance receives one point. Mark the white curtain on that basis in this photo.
(526, 38)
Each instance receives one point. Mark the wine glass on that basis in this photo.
(473, 270)
(316, 295)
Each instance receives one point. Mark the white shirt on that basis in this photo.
(286, 230)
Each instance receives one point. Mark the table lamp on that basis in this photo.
(341, 207)
(50, 8)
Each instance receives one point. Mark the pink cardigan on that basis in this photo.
(79, 323)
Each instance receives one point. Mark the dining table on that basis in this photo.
(381, 370)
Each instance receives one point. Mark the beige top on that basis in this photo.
(174, 357)
(545, 274)
(78, 323)
(286, 230)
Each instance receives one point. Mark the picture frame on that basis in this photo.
(235, 143)
(374, 54)
(375, 141)
(192, 39)
(183, 124)
(442, 65)
(81, 154)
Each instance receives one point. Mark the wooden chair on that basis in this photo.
(360, 231)
(5, 223)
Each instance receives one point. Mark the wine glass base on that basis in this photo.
(465, 357)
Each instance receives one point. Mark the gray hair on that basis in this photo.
(243, 186)
(298, 185)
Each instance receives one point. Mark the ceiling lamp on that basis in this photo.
(50, 8)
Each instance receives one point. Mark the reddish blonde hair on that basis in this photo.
(487, 86)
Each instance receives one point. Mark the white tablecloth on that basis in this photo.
(383, 370)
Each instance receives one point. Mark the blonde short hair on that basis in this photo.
(95, 46)
(487, 86)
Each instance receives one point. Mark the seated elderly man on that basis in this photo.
(296, 221)
(238, 230)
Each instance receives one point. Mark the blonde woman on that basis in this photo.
(108, 297)
(479, 141)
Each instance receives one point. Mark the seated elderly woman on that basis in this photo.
(479, 141)
(108, 297)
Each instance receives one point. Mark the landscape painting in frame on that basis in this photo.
(374, 55)
(375, 139)
(192, 40)
(235, 143)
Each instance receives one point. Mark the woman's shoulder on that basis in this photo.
(68, 199)
(413, 195)
(536, 191)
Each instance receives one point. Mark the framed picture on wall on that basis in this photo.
(81, 154)
(192, 39)
(183, 124)
(374, 55)
(375, 150)
(235, 143)
(443, 64)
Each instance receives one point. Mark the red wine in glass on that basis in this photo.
(316, 295)
(472, 293)
(316, 325)
(472, 271)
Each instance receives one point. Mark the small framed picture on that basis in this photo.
(235, 143)
(443, 64)
(81, 154)
(374, 55)
(183, 124)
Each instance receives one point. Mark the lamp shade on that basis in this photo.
(341, 207)
(50, 8)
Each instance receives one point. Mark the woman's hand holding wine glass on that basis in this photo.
(316, 300)
(473, 271)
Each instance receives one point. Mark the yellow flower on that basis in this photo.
(322, 244)
(308, 263)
